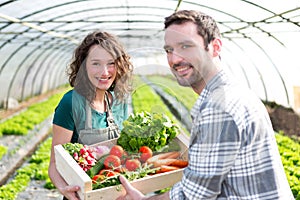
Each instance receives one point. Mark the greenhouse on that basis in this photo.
(37, 43)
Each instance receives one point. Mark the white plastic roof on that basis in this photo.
(37, 39)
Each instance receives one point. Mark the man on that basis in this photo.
(232, 152)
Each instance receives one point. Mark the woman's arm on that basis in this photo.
(61, 136)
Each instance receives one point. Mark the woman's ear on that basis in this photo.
(217, 46)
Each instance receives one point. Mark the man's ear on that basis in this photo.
(217, 46)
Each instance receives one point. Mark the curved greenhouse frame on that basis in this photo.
(37, 39)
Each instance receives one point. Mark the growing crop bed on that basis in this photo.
(184, 95)
(28, 183)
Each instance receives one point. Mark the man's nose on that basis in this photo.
(175, 58)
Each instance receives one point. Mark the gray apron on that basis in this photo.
(90, 136)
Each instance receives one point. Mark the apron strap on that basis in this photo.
(109, 118)
(114, 131)
(88, 119)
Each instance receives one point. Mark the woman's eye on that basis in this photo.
(111, 64)
(96, 64)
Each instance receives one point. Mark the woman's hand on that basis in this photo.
(70, 192)
(131, 192)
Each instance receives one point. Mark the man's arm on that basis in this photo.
(134, 194)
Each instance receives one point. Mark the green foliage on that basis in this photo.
(145, 99)
(36, 169)
(3, 150)
(49, 185)
(185, 95)
(28, 119)
(71, 148)
(18, 184)
(289, 150)
(11, 190)
(144, 129)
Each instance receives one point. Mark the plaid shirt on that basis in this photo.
(232, 152)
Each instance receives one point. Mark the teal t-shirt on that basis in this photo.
(71, 114)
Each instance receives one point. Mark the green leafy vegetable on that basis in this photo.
(71, 148)
(144, 129)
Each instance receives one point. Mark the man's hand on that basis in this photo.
(131, 192)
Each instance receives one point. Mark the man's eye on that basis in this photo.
(185, 46)
(169, 50)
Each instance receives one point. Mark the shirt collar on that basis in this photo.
(210, 86)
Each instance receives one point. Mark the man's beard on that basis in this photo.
(189, 81)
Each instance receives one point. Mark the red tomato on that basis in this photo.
(117, 150)
(146, 153)
(132, 164)
(124, 158)
(112, 161)
(98, 177)
(108, 173)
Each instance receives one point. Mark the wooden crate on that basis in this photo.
(74, 175)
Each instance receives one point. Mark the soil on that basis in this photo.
(36, 191)
(285, 119)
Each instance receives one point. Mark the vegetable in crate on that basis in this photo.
(82, 154)
(100, 150)
(144, 129)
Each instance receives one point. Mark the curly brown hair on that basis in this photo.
(77, 72)
(206, 25)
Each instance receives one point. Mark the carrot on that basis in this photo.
(174, 154)
(165, 168)
(170, 162)
(167, 161)
(179, 163)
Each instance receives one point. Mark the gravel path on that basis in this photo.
(36, 191)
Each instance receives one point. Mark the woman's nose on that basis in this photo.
(104, 70)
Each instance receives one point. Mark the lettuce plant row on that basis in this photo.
(28, 119)
(185, 95)
(37, 168)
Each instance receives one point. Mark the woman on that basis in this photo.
(94, 110)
